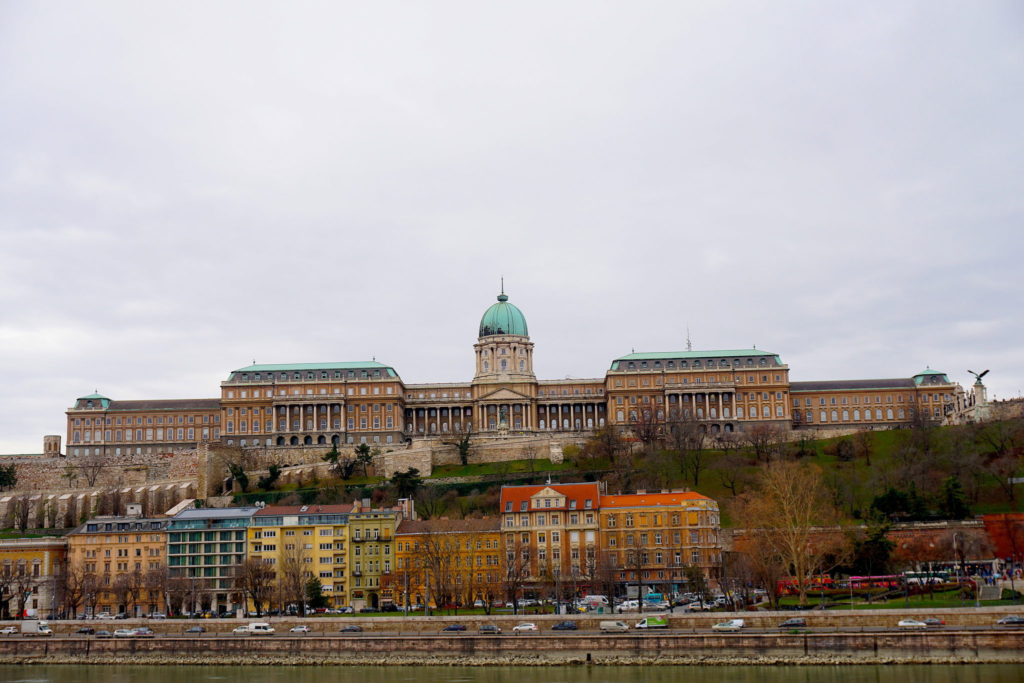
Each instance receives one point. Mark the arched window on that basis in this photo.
(504, 364)
(824, 416)
(846, 416)
(856, 414)
(486, 366)
(522, 365)
(888, 413)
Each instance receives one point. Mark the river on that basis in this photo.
(867, 673)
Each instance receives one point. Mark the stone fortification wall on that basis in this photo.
(64, 508)
(50, 474)
(425, 454)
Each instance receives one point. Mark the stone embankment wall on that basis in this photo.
(964, 646)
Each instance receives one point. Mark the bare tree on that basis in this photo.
(291, 580)
(647, 423)
(732, 472)
(767, 442)
(72, 581)
(791, 499)
(90, 467)
(20, 512)
(687, 436)
(126, 588)
(255, 579)
(515, 570)
(22, 585)
(155, 582)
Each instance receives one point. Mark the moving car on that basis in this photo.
(195, 629)
(299, 629)
(614, 626)
(103, 633)
(565, 626)
(85, 630)
(730, 625)
(454, 627)
(351, 628)
(658, 621)
(1012, 620)
(124, 633)
(911, 623)
(932, 622)
(143, 632)
(12, 631)
(524, 627)
(489, 628)
(795, 622)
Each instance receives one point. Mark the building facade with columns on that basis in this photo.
(319, 404)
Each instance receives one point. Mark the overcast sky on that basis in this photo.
(188, 186)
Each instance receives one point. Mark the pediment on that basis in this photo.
(504, 394)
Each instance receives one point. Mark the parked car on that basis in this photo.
(795, 622)
(367, 610)
(565, 626)
(478, 603)
(124, 633)
(1012, 620)
(489, 628)
(352, 628)
(157, 615)
(730, 625)
(524, 627)
(699, 607)
(10, 631)
(299, 629)
(345, 610)
(195, 629)
(454, 627)
(103, 633)
(85, 630)
(932, 621)
(911, 623)
(104, 615)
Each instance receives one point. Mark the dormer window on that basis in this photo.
(588, 504)
(508, 506)
(523, 506)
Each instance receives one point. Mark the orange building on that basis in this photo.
(447, 561)
(120, 564)
(649, 538)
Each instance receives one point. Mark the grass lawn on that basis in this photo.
(923, 601)
(510, 467)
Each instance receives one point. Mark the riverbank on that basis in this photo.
(935, 647)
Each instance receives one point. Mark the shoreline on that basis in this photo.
(513, 661)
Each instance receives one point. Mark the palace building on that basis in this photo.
(320, 404)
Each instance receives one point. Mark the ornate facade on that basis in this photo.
(318, 404)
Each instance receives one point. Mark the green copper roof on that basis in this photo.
(503, 318)
(347, 365)
(96, 397)
(695, 355)
(928, 372)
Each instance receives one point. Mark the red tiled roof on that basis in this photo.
(277, 510)
(578, 492)
(649, 499)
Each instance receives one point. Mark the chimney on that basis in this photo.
(133, 510)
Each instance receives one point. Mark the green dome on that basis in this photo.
(503, 318)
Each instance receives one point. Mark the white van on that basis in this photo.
(260, 628)
(614, 626)
(595, 601)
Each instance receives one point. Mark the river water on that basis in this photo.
(966, 673)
